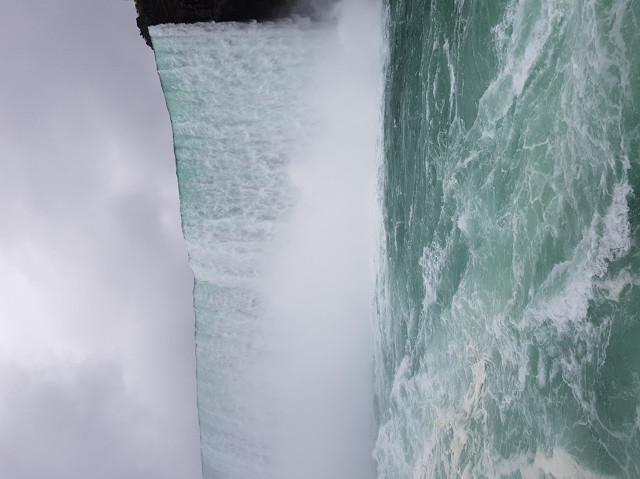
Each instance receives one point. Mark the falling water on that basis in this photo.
(275, 132)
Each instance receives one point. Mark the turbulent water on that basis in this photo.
(504, 334)
(508, 329)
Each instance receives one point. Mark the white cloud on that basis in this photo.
(96, 325)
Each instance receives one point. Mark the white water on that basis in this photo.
(275, 128)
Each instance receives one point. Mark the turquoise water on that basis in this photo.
(507, 336)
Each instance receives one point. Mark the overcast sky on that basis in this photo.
(96, 326)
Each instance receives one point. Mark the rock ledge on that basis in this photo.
(154, 12)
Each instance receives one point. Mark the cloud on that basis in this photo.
(71, 421)
(97, 373)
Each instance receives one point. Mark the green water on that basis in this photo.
(508, 327)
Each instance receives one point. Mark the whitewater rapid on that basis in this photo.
(508, 294)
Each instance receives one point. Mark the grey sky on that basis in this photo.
(96, 326)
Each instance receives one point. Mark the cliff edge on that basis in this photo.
(154, 12)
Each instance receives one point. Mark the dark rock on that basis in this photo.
(144, 29)
(154, 12)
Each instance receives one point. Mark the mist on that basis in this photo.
(320, 283)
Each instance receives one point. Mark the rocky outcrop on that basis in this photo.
(154, 12)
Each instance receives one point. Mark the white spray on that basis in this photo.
(321, 281)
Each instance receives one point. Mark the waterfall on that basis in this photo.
(425, 270)
(275, 131)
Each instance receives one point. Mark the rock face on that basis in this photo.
(154, 12)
